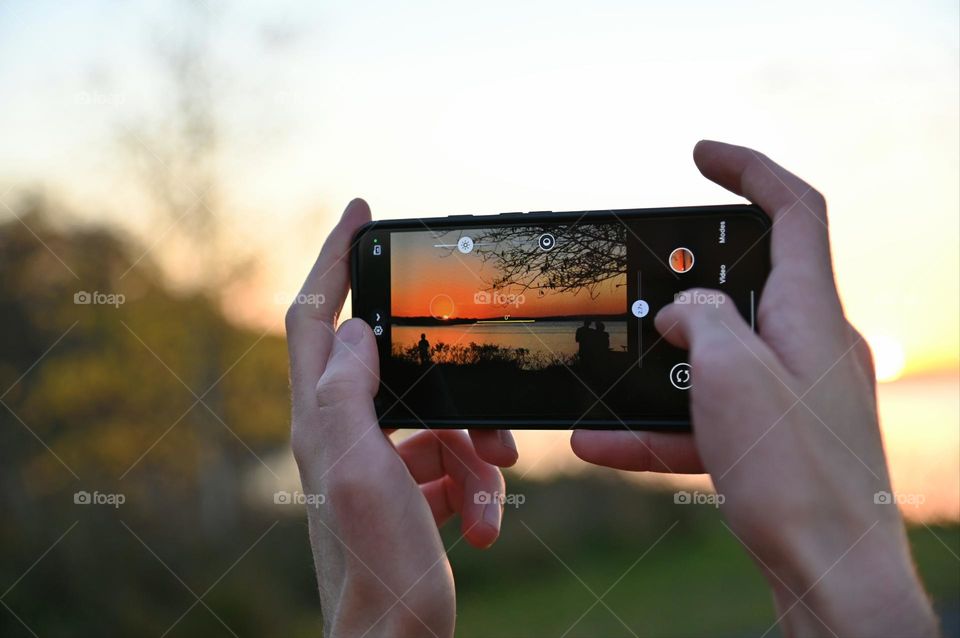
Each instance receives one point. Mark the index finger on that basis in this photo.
(800, 314)
(799, 239)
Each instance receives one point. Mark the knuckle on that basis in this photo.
(757, 171)
(816, 203)
(816, 200)
(761, 162)
(302, 452)
(305, 445)
(300, 313)
(854, 332)
(864, 350)
(293, 317)
(334, 390)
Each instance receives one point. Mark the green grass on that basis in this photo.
(697, 581)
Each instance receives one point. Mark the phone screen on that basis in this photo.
(547, 322)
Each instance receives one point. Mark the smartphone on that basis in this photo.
(544, 320)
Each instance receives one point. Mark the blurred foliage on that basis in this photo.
(120, 376)
(113, 392)
(114, 384)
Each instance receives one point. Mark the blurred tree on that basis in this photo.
(177, 148)
(92, 401)
(107, 390)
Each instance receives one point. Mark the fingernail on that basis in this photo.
(351, 331)
(507, 439)
(356, 201)
(492, 514)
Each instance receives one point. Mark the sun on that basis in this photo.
(442, 307)
(889, 358)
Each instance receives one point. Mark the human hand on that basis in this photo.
(381, 567)
(785, 422)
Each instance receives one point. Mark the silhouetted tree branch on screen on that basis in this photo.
(584, 257)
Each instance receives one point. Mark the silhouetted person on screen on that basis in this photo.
(602, 338)
(424, 349)
(583, 337)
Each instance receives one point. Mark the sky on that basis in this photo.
(430, 277)
(441, 108)
(438, 108)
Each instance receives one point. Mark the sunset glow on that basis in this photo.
(888, 357)
(556, 108)
(446, 284)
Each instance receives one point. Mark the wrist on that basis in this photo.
(366, 613)
(856, 583)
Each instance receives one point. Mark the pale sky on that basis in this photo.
(441, 108)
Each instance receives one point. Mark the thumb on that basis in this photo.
(726, 357)
(343, 418)
(701, 320)
(352, 375)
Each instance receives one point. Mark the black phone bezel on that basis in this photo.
(533, 218)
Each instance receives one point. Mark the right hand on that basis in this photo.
(785, 422)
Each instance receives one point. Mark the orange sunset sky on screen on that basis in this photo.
(421, 274)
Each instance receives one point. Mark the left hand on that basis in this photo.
(381, 566)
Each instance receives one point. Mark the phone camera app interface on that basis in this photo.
(545, 321)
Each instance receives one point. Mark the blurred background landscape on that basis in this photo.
(168, 171)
